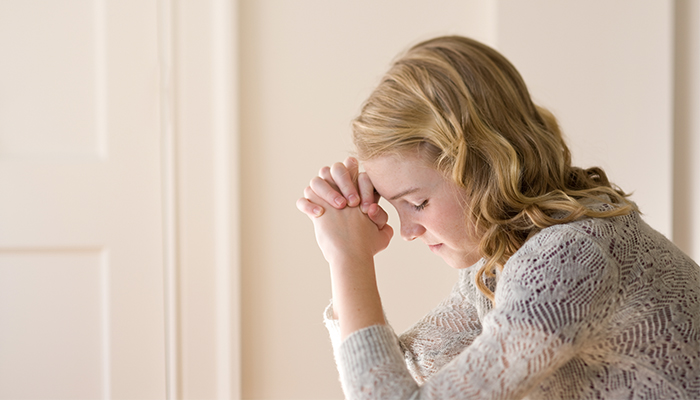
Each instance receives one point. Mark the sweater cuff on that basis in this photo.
(333, 326)
(371, 353)
(376, 344)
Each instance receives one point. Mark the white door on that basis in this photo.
(81, 263)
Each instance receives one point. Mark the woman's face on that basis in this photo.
(430, 206)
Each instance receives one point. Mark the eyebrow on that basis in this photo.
(404, 193)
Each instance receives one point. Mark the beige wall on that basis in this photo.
(686, 165)
(605, 69)
(609, 82)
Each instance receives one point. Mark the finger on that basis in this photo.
(314, 198)
(367, 193)
(353, 167)
(345, 182)
(309, 208)
(378, 215)
(324, 190)
(325, 173)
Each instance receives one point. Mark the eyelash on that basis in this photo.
(421, 206)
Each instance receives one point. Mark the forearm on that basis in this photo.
(356, 301)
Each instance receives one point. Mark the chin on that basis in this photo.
(462, 263)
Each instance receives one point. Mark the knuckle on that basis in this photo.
(351, 162)
(338, 169)
(343, 178)
(316, 181)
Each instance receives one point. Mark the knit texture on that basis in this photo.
(594, 309)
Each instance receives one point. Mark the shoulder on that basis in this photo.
(580, 247)
(580, 243)
(566, 272)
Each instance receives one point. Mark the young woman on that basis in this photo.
(564, 291)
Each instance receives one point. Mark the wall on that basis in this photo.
(686, 143)
(610, 86)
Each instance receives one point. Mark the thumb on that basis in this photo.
(386, 232)
(377, 215)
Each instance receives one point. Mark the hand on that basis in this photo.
(347, 237)
(339, 185)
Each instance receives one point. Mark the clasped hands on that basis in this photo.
(348, 221)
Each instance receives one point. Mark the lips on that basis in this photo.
(435, 247)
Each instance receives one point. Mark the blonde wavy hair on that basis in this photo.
(469, 110)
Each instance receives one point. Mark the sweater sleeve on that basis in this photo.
(435, 339)
(550, 298)
(440, 335)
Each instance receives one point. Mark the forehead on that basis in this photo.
(404, 160)
(391, 174)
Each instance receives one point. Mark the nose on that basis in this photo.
(410, 229)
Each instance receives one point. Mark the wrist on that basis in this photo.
(356, 300)
(352, 262)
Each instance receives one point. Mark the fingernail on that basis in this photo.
(352, 199)
(340, 201)
(318, 211)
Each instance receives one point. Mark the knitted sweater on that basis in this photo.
(593, 309)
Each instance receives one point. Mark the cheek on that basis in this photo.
(455, 226)
(459, 233)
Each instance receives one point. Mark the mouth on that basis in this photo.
(435, 247)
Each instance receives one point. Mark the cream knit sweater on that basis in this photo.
(594, 309)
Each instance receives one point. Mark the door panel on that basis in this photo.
(81, 284)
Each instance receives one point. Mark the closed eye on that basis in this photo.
(421, 206)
